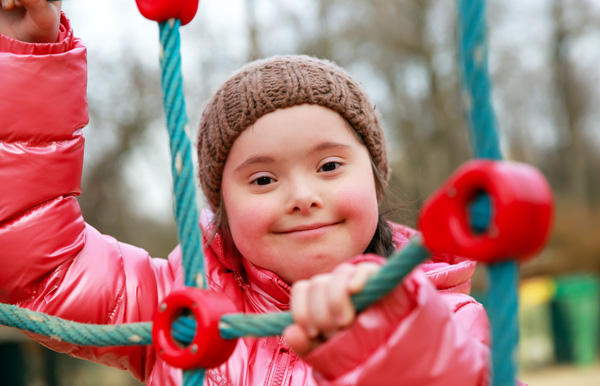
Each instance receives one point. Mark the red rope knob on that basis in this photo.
(163, 10)
(208, 349)
(522, 212)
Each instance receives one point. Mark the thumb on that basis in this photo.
(40, 9)
(42, 20)
(298, 340)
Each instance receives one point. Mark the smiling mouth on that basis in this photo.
(308, 228)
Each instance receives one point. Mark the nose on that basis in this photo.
(304, 196)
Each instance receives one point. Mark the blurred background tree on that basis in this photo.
(543, 61)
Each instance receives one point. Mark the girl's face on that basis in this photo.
(299, 192)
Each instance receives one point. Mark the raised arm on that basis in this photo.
(42, 110)
(52, 261)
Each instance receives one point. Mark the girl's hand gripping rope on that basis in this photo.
(33, 21)
(321, 306)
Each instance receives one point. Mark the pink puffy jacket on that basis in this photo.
(427, 332)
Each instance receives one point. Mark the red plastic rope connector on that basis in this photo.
(208, 349)
(522, 212)
(163, 10)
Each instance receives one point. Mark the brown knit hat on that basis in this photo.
(265, 85)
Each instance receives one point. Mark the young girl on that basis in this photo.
(293, 164)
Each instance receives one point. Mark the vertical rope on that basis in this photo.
(501, 301)
(475, 78)
(182, 169)
(502, 305)
(194, 378)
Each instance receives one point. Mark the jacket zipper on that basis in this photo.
(281, 365)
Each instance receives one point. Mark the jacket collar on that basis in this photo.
(252, 279)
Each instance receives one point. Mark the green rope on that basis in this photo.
(128, 334)
(502, 298)
(182, 168)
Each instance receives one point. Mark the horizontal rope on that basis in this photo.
(101, 335)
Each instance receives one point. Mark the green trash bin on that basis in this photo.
(576, 318)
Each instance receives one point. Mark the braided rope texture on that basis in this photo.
(130, 334)
(182, 168)
(501, 301)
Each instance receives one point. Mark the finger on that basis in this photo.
(362, 274)
(298, 340)
(40, 7)
(320, 316)
(32, 3)
(8, 5)
(299, 307)
(23, 3)
(340, 304)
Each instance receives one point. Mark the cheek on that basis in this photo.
(361, 209)
(359, 199)
(248, 221)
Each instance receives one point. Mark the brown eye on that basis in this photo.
(329, 166)
(263, 180)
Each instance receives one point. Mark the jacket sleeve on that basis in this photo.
(51, 260)
(414, 336)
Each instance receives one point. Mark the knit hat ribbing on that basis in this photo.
(264, 86)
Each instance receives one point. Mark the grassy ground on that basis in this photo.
(563, 375)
